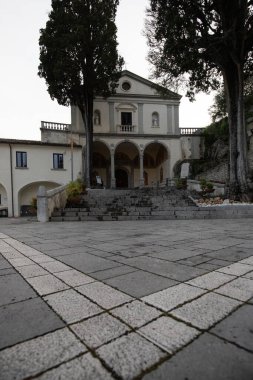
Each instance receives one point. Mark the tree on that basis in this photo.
(79, 59)
(203, 41)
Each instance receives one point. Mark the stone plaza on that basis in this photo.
(153, 300)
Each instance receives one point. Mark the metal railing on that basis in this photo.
(55, 126)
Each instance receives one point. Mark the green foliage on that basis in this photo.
(181, 183)
(79, 58)
(215, 131)
(205, 185)
(75, 188)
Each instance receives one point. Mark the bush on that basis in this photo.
(74, 190)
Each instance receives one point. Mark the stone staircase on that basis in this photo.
(131, 204)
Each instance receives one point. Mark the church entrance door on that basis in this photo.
(121, 178)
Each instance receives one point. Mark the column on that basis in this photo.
(113, 182)
(141, 170)
(140, 118)
(170, 120)
(176, 119)
(111, 117)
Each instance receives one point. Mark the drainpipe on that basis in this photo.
(12, 199)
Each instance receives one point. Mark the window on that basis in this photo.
(126, 118)
(155, 119)
(57, 161)
(21, 159)
(97, 117)
(126, 86)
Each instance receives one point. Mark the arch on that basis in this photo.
(101, 162)
(122, 178)
(127, 156)
(27, 193)
(127, 141)
(4, 210)
(155, 119)
(97, 117)
(156, 162)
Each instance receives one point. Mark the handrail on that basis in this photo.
(55, 126)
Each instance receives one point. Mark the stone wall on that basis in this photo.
(217, 174)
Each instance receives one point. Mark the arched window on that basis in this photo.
(155, 119)
(97, 117)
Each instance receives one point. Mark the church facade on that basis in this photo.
(137, 142)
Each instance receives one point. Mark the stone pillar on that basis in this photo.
(176, 119)
(111, 117)
(140, 118)
(42, 205)
(141, 170)
(170, 120)
(113, 181)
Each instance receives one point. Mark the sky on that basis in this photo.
(24, 100)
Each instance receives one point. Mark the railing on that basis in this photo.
(48, 200)
(55, 126)
(191, 131)
(126, 128)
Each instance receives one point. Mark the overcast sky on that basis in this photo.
(24, 99)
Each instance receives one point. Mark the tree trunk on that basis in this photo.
(238, 168)
(87, 116)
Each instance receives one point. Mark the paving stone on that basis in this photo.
(175, 254)
(20, 262)
(87, 263)
(31, 271)
(194, 260)
(236, 269)
(4, 264)
(168, 334)
(114, 272)
(249, 275)
(248, 261)
(26, 319)
(136, 313)
(99, 330)
(14, 288)
(30, 252)
(74, 278)
(207, 358)
(47, 284)
(13, 254)
(55, 266)
(42, 258)
(164, 268)
(85, 367)
(104, 295)
(5, 272)
(39, 354)
(71, 306)
(140, 283)
(230, 254)
(208, 267)
(240, 288)
(221, 263)
(211, 280)
(129, 355)
(206, 310)
(238, 327)
(169, 298)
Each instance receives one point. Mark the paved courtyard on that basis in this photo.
(158, 300)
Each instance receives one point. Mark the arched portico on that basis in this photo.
(127, 165)
(156, 163)
(3, 198)
(101, 163)
(28, 192)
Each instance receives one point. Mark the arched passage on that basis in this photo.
(156, 163)
(127, 165)
(101, 163)
(3, 200)
(28, 194)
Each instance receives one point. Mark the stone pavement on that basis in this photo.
(126, 300)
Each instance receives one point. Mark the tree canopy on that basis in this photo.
(79, 58)
(200, 42)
